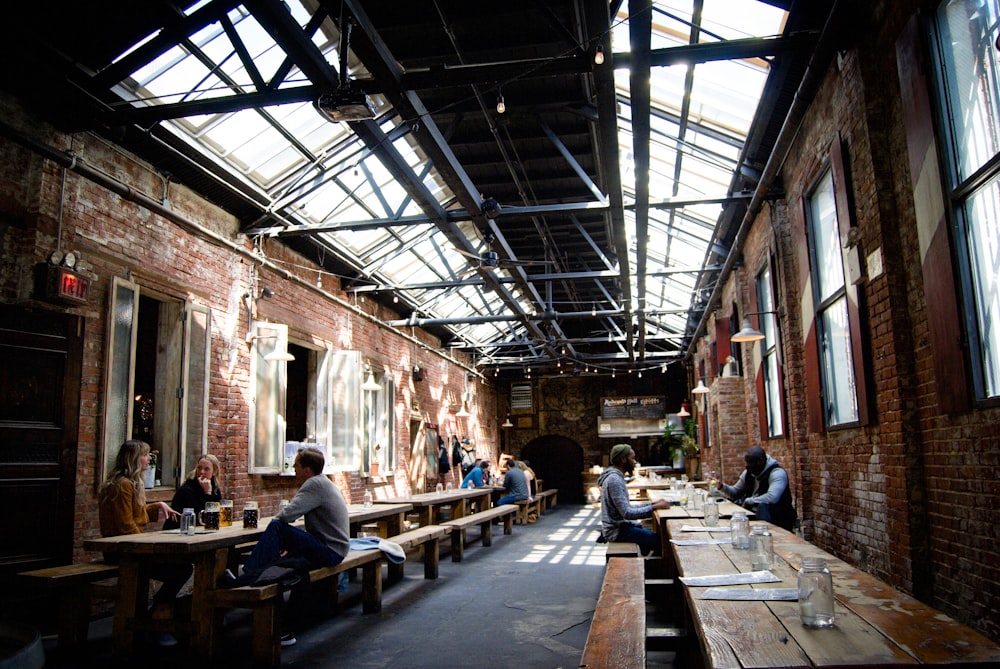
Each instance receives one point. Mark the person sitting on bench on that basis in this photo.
(618, 514)
(515, 485)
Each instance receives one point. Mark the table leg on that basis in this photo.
(206, 620)
(458, 508)
(130, 605)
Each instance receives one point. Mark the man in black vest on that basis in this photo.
(763, 489)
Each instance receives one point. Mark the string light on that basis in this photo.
(501, 107)
(599, 55)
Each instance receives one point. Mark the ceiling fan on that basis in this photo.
(490, 258)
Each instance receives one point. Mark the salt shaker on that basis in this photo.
(739, 527)
(815, 593)
(187, 521)
(761, 548)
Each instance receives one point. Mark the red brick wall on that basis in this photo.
(114, 237)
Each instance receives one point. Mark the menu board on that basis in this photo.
(633, 407)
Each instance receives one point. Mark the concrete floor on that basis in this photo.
(524, 602)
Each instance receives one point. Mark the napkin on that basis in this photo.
(730, 579)
(747, 595)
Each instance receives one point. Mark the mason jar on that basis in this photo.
(815, 593)
(761, 548)
(739, 527)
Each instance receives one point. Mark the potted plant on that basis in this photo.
(673, 445)
(149, 476)
(691, 448)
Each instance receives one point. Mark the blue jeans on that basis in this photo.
(509, 499)
(647, 540)
(280, 536)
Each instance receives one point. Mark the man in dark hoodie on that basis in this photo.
(618, 514)
(763, 488)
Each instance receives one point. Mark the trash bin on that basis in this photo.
(20, 647)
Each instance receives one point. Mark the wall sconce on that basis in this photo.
(277, 355)
(684, 413)
(700, 389)
(463, 412)
(370, 384)
(506, 422)
(747, 332)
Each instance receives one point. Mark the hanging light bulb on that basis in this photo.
(593, 309)
(640, 373)
(599, 55)
(501, 107)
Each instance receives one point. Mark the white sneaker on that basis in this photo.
(166, 640)
(287, 640)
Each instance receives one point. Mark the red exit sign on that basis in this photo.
(65, 284)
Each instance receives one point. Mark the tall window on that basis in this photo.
(157, 378)
(771, 358)
(966, 59)
(840, 398)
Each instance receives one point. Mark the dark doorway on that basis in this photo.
(558, 461)
(41, 356)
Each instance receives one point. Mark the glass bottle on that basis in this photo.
(739, 527)
(761, 548)
(368, 498)
(815, 593)
(187, 521)
(438, 488)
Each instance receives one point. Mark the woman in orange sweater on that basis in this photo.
(123, 510)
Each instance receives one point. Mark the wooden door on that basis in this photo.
(40, 367)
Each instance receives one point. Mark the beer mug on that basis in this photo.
(209, 517)
(250, 515)
(226, 513)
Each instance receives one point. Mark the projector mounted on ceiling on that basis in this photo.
(345, 104)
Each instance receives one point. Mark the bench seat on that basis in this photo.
(548, 498)
(264, 600)
(429, 537)
(526, 507)
(74, 586)
(485, 521)
(617, 637)
(621, 549)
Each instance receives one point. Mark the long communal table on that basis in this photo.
(208, 551)
(427, 504)
(876, 625)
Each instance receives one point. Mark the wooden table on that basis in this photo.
(661, 516)
(209, 553)
(875, 624)
(427, 504)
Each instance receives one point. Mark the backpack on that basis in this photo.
(444, 464)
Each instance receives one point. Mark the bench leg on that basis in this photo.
(487, 532)
(395, 572)
(431, 550)
(457, 544)
(74, 617)
(508, 524)
(371, 586)
(267, 634)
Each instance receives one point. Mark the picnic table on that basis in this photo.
(428, 504)
(208, 551)
(875, 624)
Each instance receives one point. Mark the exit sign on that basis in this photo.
(66, 285)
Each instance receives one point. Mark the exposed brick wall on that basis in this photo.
(117, 238)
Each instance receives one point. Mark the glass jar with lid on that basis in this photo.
(815, 593)
(739, 527)
(761, 548)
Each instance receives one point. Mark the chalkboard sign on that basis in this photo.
(633, 407)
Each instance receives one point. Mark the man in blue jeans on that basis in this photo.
(618, 514)
(326, 538)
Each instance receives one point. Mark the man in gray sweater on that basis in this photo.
(324, 542)
(618, 514)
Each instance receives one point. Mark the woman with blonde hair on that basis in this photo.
(202, 485)
(529, 477)
(123, 509)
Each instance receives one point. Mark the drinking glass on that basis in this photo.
(210, 516)
(226, 513)
(250, 516)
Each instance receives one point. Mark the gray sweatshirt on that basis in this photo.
(616, 509)
(320, 501)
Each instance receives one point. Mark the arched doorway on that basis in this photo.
(558, 461)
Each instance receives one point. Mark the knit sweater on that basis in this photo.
(325, 511)
(616, 509)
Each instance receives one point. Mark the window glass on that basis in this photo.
(834, 335)
(769, 350)
(967, 66)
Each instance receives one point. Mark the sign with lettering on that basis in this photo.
(653, 407)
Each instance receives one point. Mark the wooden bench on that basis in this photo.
(485, 521)
(525, 507)
(622, 549)
(74, 586)
(547, 498)
(429, 537)
(617, 638)
(264, 600)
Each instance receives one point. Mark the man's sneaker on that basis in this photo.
(288, 640)
(166, 640)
